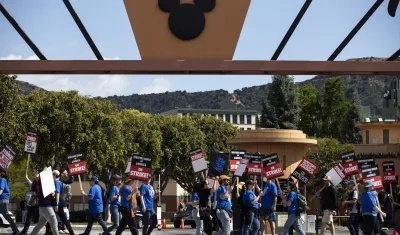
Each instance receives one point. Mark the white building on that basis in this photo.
(243, 119)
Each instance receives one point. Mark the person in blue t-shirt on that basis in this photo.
(95, 206)
(250, 208)
(128, 195)
(370, 210)
(224, 206)
(60, 204)
(147, 197)
(195, 211)
(293, 217)
(268, 205)
(5, 200)
(114, 202)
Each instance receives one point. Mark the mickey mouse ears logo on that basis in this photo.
(392, 7)
(187, 29)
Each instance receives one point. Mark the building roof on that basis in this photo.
(209, 111)
(377, 122)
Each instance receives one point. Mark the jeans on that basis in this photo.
(115, 217)
(33, 213)
(207, 225)
(293, 220)
(224, 218)
(127, 219)
(253, 227)
(95, 217)
(149, 222)
(46, 215)
(199, 223)
(353, 224)
(4, 212)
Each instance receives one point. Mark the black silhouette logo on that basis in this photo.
(392, 7)
(186, 21)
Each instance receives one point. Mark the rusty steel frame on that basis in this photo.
(232, 67)
(330, 67)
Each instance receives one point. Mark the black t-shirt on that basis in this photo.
(204, 196)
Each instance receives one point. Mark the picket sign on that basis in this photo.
(336, 174)
(77, 166)
(198, 161)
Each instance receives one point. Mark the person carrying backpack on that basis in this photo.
(353, 207)
(292, 202)
(32, 200)
(328, 197)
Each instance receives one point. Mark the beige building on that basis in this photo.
(242, 119)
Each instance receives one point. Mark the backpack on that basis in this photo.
(66, 193)
(301, 204)
(30, 198)
(387, 206)
(104, 196)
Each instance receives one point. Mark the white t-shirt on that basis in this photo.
(354, 206)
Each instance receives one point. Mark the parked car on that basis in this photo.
(3, 222)
(186, 215)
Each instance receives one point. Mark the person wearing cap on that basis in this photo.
(291, 202)
(370, 210)
(147, 196)
(195, 211)
(268, 205)
(328, 197)
(60, 204)
(205, 194)
(128, 195)
(353, 208)
(250, 210)
(5, 200)
(224, 205)
(33, 210)
(95, 206)
(114, 202)
(65, 179)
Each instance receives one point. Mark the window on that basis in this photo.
(367, 137)
(228, 118)
(234, 119)
(242, 129)
(385, 136)
(249, 119)
(80, 206)
(241, 119)
(220, 116)
(248, 128)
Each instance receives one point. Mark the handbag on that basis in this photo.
(204, 212)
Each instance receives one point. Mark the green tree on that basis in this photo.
(334, 108)
(268, 117)
(350, 133)
(282, 102)
(180, 136)
(310, 110)
(16, 179)
(326, 156)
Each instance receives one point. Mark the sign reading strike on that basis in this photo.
(305, 170)
(6, 157)
(76, 164)
(198, 161)
(254, 165)
(389, 172)
(377, 180)
(31, 143)
(337, 174)
(140, 168)
(349, 162)
(272, 168)
(236, 157)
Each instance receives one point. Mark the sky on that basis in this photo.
(323, 27)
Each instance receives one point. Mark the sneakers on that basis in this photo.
(62, 232)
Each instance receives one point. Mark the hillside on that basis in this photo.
(370, 88)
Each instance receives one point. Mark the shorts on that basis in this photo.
(267, 214)
(327, 217)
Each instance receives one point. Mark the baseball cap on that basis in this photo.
(117, 177)
(327, 178)
(351, 182)
(56, 173)
(224, 177)
(368, 184)
(94, 178)
(2, 170)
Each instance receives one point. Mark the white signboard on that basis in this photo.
(242, 167)
(337, 175)
(31, 143)
(198, 161)
(128, 166)
(46, 178)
